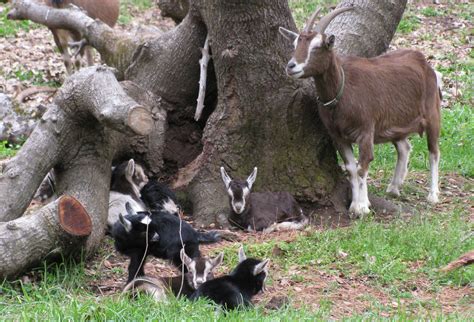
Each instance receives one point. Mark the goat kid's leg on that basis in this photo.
(136, 266)
(403, 154)
(61, 40)
(434, 164)
(351, 166)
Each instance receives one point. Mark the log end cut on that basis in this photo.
(140, 120)
(73, 218)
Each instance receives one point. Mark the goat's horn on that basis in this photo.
(326, 20)
(310, 23)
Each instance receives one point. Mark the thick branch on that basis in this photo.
(105, 100)
(50, 231)
(116, 48)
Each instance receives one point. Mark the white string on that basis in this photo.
(144, 255)
(182, 247)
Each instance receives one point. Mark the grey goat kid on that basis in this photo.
(368, 101)
(267, 211)
(128, 178)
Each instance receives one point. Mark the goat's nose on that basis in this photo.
(291, 65)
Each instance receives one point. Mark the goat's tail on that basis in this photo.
(439, 83)
(208, 237)
(288, 225)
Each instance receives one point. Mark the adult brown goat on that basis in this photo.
(369, 100)
(104, 10)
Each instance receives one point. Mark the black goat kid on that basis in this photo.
(156, 233)
(236, 289)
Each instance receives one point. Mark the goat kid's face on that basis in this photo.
(313, 48)
(238, 190)
(200, 269)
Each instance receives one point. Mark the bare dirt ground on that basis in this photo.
(34, 51)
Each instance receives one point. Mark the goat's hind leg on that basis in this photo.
(432, 136)
(403, 154)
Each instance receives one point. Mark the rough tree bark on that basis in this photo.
(263, 118)
(255, 115)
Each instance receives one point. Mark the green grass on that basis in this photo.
(382, 252)
(125, 16)
(302, 9)
(10, 28)
(7, 151)
(409, 23)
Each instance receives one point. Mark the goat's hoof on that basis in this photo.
(359, 210)
(433, 198)
(393, 191)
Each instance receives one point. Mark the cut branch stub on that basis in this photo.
(73, 218)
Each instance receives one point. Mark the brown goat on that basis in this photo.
(367, 101)
(104, 10)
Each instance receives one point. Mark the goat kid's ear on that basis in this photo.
(242, 255)
(185, 258)
(330, 41)
(252, 177)
(260, 267)
(216, 261)
(288, 34)
(129, 208)
(125, 223)
(225, 178)
(130, 170)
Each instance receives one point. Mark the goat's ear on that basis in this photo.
(185, 259)
(129, 208)
(130, 170)
(242, 255)
(330, 41)
(288, 34)
(125, 223)
(251, 178)
(261, 267)
(216, 261)
(225, 178)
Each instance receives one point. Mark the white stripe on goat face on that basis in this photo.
(239, 205)
(295, 68)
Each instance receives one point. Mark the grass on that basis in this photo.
(7, 150)
(302, 9)
(10, 28)
(126, 16)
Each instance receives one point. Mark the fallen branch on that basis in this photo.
(23, 95)
(464, 260)
(203, 79)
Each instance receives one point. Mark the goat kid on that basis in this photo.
(236, 289)
(166, 235)
(368, 101)
(200, 270)
(128, 178)
(267, 211)
(104, 10)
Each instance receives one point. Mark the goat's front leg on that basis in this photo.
(351, 166)
(366, 155)
(403, 153)
(136, 266)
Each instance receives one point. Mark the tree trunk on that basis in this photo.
(254, 116)
(263, 118)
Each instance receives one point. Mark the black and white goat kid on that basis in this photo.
(157, 233)
(267, 211)
(236, 289)
(200, 270)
